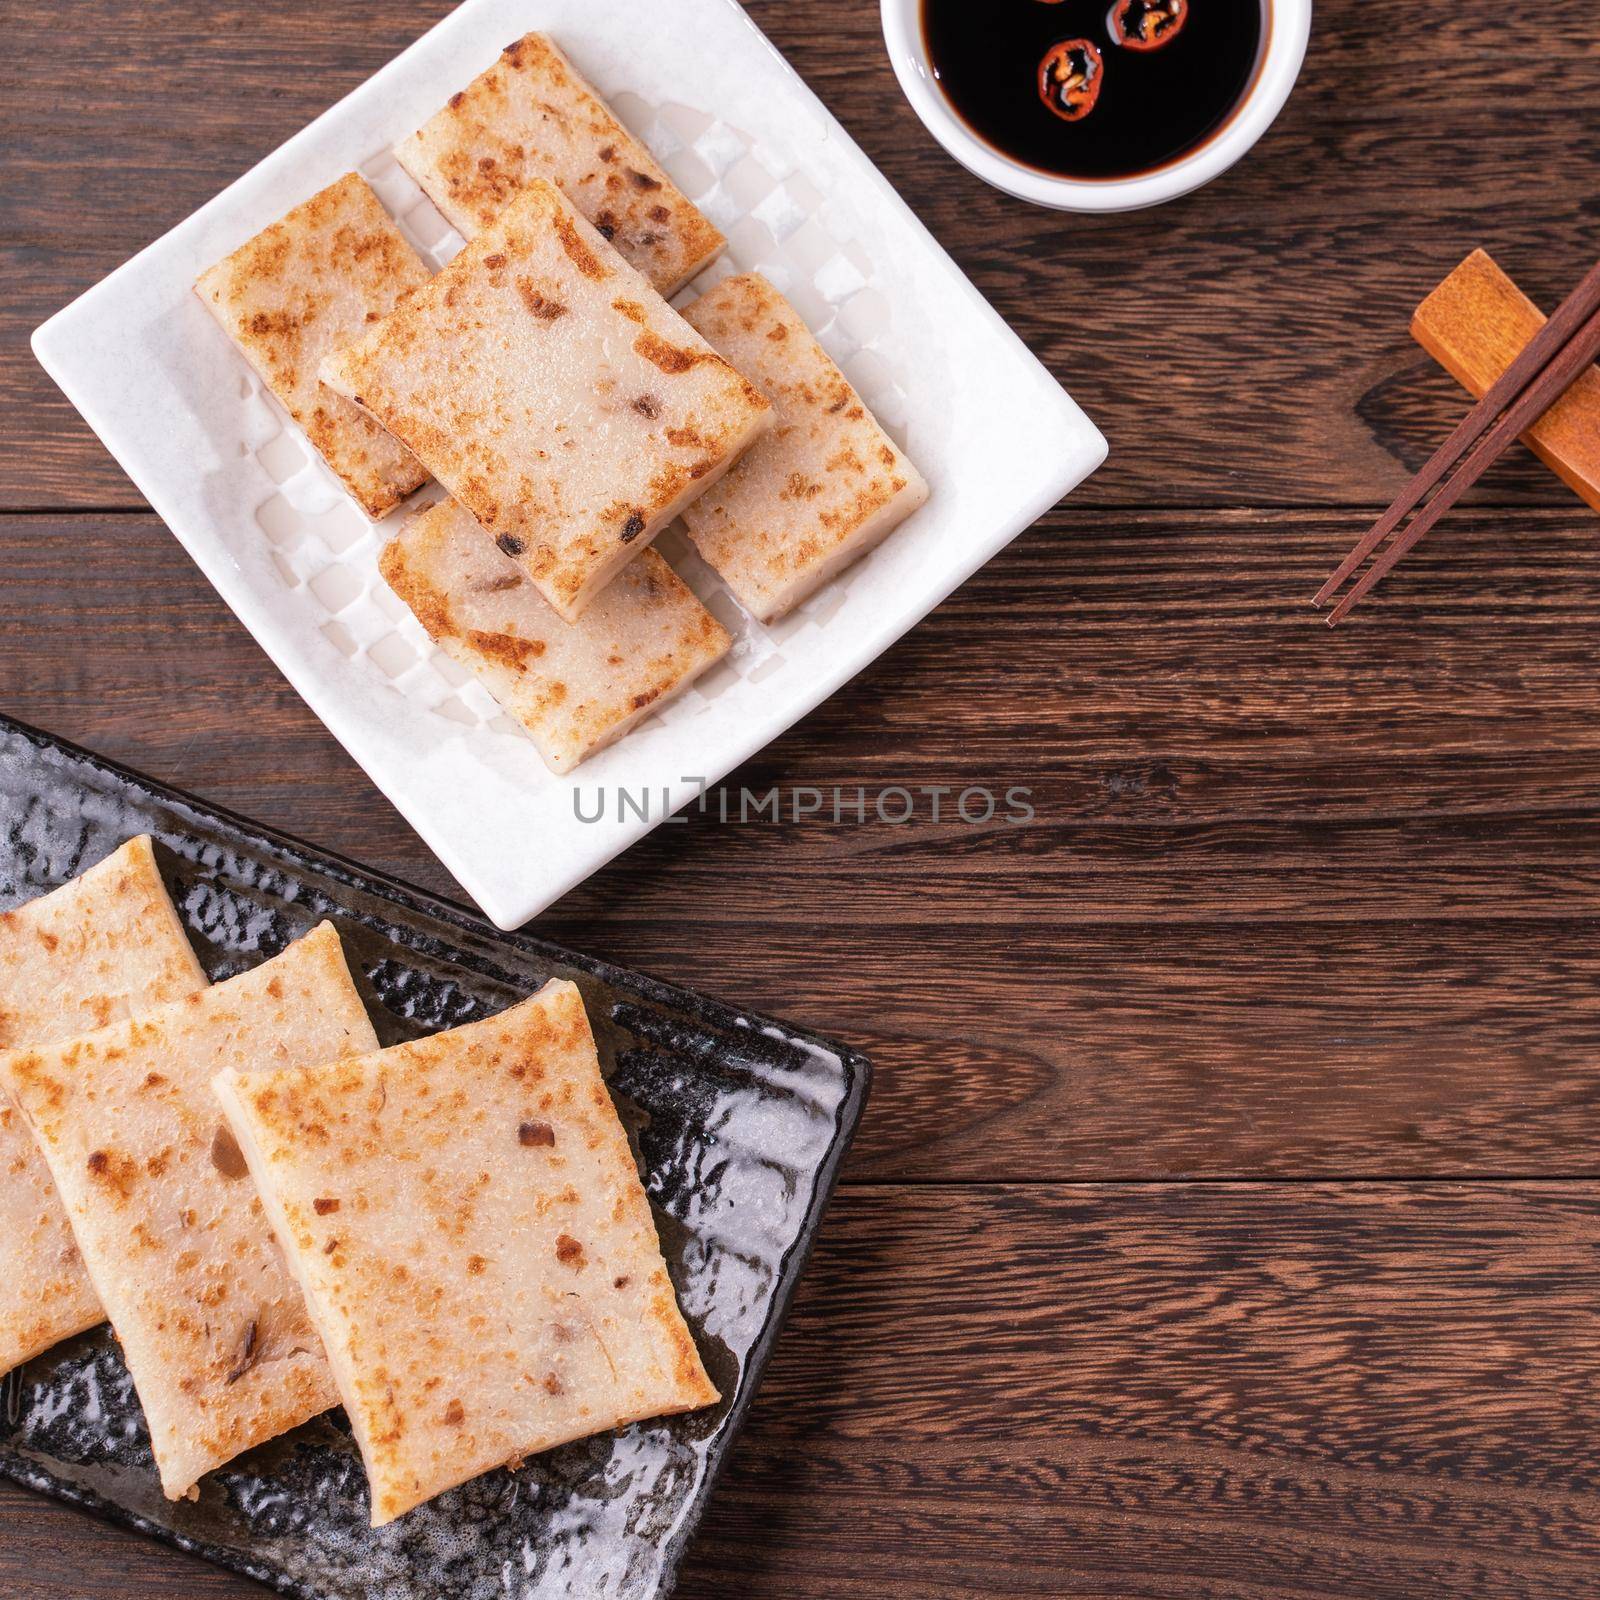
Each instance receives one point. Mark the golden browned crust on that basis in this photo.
(532, 115)
(212, 1327)
(578, 686)
(104, 945)
(823, 487)
(572, 435)
(475, 1245)
(289, 295)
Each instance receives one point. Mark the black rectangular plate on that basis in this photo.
(739, 1123)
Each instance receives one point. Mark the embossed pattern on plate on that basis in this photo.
(326, 550)
(994, 433)
(739, 1123)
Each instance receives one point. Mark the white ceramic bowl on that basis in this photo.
(1289, 29)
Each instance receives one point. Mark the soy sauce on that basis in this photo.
(1154, 106)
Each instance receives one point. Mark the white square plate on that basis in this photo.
(998, 439)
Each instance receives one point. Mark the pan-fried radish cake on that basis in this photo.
(555, 394)
(211, 1322)
(822, 488)
(532, 115)
(475, 1246)
(287, 297)
(575, 686)
(103, 946)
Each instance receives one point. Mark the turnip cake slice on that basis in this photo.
(531, 115)
(575, 686)
(287, 297)
(101, 947)
(824, 486)
(211, 1322)
(555, 394)
(475, 1246)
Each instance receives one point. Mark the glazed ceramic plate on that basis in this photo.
(997, 437)
(739, 1123)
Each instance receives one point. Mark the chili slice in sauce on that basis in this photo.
(1070, 76)
(1148, 24)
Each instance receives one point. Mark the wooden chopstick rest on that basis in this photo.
(1474, 325)
(1522, 393)
(1572, 358)
(1519, 377)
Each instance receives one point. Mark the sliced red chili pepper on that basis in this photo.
(1069, 78)
(1148, 24)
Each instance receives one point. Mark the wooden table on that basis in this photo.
(1226, 1221)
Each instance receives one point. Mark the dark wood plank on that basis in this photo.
(1301, 1392)
(1293, 901)
(52, 1552)
(1134, 672)
(1245, 346)
(118, 127)
(1291, 904)
(1173, 1392)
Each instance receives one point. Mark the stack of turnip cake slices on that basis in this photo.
(567, 410)
(448, 1237)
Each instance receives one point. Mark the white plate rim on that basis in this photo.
(1082, 451)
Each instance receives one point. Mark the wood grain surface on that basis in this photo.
(1226, 1220)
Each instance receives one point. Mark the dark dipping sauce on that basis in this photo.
(1154, 107)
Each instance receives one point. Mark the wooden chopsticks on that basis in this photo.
(1547, 367)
